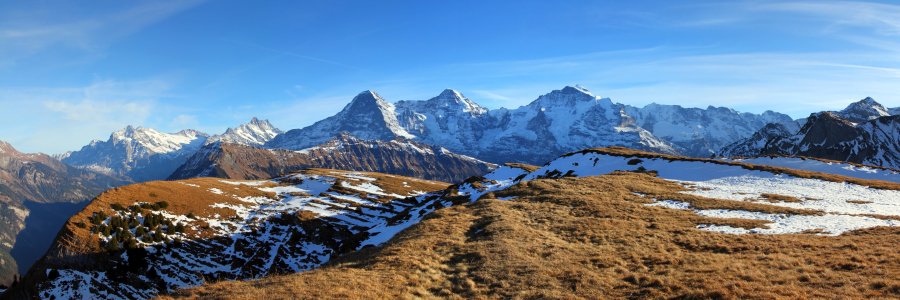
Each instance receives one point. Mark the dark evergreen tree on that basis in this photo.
(54, 273)
(112, 244)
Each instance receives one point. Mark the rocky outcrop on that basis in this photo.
(399, 156)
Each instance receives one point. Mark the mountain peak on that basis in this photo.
(864, 110)
(366, 100)
(577, 89)
(7, 148)
(254, 133)
(450, 93)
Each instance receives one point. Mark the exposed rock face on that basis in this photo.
(864, 110)
(138, 154)
(255, 133)
(399, 156)
(368, 116)
(39, 178)
(828, 136)
(865, 132)
(231, 230)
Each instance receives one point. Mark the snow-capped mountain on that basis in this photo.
(864, 132)
(368, 116)
(561, 121)
(138, 154)
(865, 110)
(255, 133)
(751, 146)
(399, 156)
(700, 132)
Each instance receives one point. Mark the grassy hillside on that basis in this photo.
(588, 238)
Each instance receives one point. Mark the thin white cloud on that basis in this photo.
(883, 18)
(56, 120)
(24, 34)
(184, 121)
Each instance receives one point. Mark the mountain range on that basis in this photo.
(399, 156)
(865, 132)
(556, 123)
(559, 122)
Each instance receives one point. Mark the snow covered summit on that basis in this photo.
(138, 154)
(367, 116)
(256, 132)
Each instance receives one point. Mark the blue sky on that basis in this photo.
(70, 73)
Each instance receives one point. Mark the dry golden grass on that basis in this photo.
(859, 201)
(625, 152)
(776, 198)
(589, 238)
(525, 167)
(389, 184)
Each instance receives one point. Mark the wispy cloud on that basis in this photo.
(883, 18)
(24, 34)
(67, 118)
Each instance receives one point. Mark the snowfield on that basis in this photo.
(845, 206)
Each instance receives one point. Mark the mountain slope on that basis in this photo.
(790, 136)
(752, 145)
(137, 154)
(205, 228)
(617, 223)
(367, 116)
(42, 179)
(344, 152)
(561, 121)
(700, 132)
(875, 142)
(254, 133)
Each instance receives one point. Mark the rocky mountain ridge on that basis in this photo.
(37, 178)
(865, 132)
(256, 132)
(399, 156)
